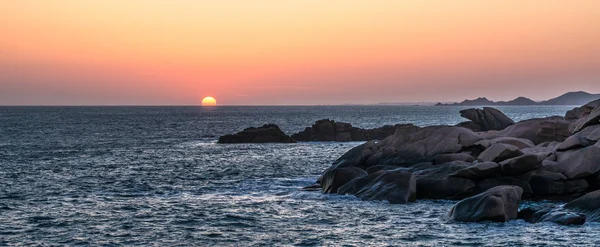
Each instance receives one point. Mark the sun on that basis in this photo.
(209, 101)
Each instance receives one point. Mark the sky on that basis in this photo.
(287, 52)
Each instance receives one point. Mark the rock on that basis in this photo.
(266, 133)
(539, 130)
(488, 118)
(478, 171)
(581, 163)
(423, 145)
(521, 164)
(498, 181)
(542, 152)
(499, 204)
(436, 183)
(374, 169)
(583, 111)
(354, 185)
(445, 158)
(546, 183)
(484, 143)
(312, 187)
(592, 119)
(470, 125)
(335, 178)
(594, 135)
(396, 187)
(551, 213)
(588, 204)
(330, 130)
(499, 152)
(580, 139)
(517, 142)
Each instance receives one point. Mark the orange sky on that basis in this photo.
(149, 52)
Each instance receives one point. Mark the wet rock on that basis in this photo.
(396, 187)
(265, 134)
(445, 158)
(551, 213)
(499, 204)
(354, 185)
(581, 163)
(521, 164)
(478, 171)
(488, 118)
(334, 178)
(589, 204)
(499, 152)
(377, 168)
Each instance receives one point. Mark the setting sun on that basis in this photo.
(209, 101)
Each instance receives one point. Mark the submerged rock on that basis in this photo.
(266, 133)
(588, 204)
(551, 213)
(499, 204)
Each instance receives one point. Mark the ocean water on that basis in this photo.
(154, 176)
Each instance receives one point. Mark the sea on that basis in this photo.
(155, 176)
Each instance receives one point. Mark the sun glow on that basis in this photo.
(209, 101)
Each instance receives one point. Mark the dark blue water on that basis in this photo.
(153, 176)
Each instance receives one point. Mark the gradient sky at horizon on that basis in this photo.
(274, 52)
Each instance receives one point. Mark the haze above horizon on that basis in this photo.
(268, 52)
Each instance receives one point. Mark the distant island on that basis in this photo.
(572, 98)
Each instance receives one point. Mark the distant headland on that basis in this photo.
(571, 98)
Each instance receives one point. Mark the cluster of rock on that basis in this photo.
(330, 130)
(266, 133)
(321, 130)
(547, 158)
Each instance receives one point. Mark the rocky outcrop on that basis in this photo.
(330, 130)
(499, 204)
(488, 118)
(540, 156)
(551, 213)
(266, 133)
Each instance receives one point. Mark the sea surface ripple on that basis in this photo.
(154, 176)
